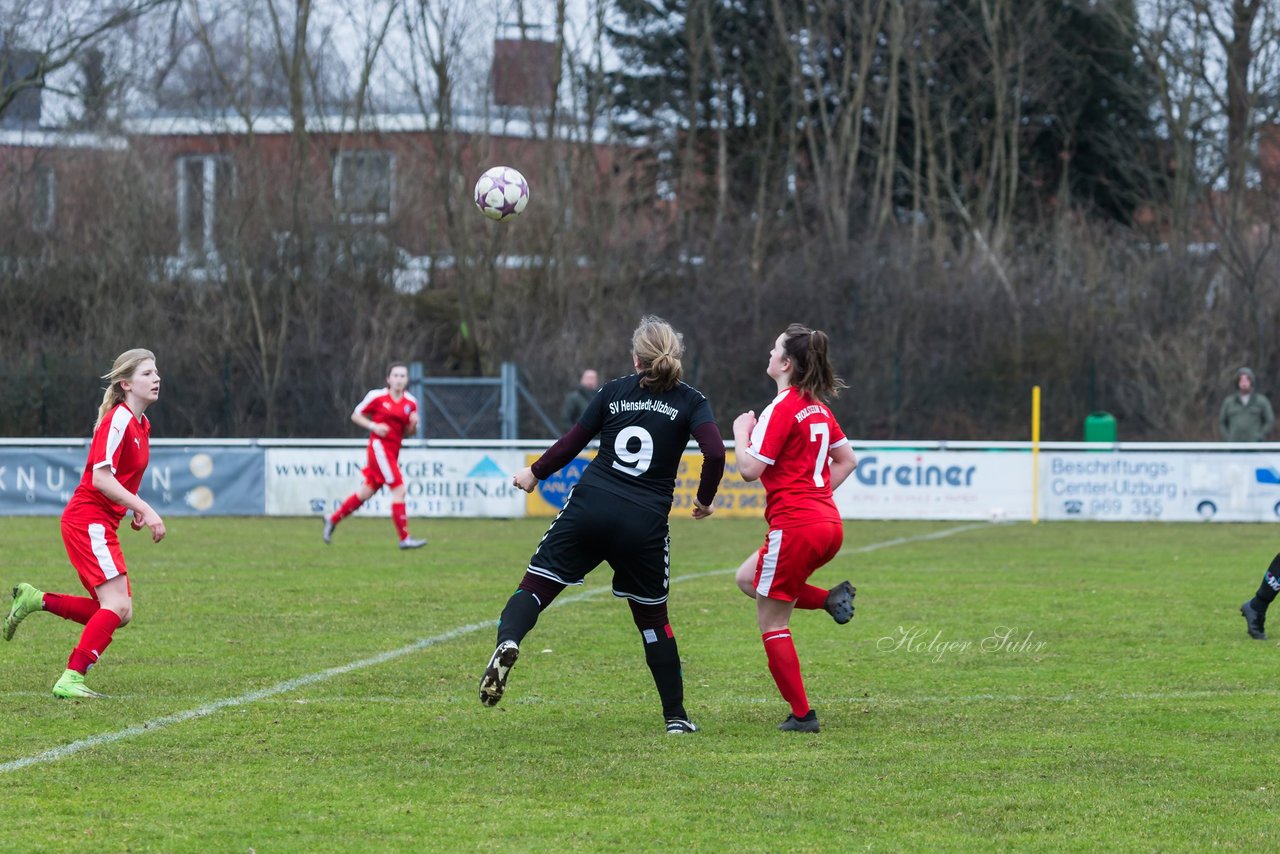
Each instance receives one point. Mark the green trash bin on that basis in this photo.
(1100, 427)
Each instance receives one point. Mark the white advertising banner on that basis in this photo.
(311, 481)
(901, 484)
(1175, 487)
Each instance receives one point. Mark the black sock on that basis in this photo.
(663, 657)
(531, 598)
(519, 616)
(1268, 588)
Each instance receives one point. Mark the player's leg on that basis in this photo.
(662, 654)
(774, 615)
(565, 556)
(363, 493)
(27, 599)
(400, 516)
(640, 553)
(838, 601)
(77, 609)
(519, 616)
(787, 560)
(745, 575)
(103, 571)
(1255, 610)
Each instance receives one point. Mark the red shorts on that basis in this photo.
(790, 555)
(383, 466)
(94, 551)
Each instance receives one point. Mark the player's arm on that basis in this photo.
(554, 458)
(750, 467)
(707, 435)
(365, 423)
(105, 482)
(843, 462)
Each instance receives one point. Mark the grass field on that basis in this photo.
(273, 694)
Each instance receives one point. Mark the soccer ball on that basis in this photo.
(501, 193)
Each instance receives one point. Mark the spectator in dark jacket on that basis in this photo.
(575, 402)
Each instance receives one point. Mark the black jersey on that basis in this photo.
(642, 437)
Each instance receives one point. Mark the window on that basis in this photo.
(206, 186)
(42, 198)
(362, 184)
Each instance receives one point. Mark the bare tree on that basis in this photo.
(53, 34)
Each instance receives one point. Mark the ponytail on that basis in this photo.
(121, 370)
(808, 350)
(658, 348)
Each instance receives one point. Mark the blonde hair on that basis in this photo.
(658, 348)
(121, 370)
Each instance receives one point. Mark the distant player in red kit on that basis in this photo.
(801, 456)
(118, 456)
(388, 414)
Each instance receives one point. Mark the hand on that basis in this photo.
(149, 519)
(746, 422)
(525, 479)
(700, 510)
(381, 430)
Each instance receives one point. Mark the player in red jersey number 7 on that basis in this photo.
(118, 456)
(801, 456)
(388, 414)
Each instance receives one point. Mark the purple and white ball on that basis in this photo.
(501, 193)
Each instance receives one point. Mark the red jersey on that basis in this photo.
(794, 436)
(124, 443)
(381, 408)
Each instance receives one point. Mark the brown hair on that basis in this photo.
(391, 367)
(658, 348)
(121, 370)
(812, 374)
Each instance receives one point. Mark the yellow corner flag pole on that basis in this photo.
(1035, 455)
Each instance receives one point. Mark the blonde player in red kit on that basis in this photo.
(388, 414)
(799, 453)
(118, 456)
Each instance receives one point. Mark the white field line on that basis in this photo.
(74, 747)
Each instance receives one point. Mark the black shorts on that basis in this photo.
(596, 526)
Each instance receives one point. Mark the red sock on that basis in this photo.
(351, 505)
(94, 641)
(784, 664)
(78, 608)
(811, 598)
(401, 519)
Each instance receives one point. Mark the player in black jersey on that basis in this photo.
(618, 511)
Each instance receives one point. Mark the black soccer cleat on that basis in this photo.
(494, 680)
(679, 726)
(839, 602)
(808, 723)
(1253, 621)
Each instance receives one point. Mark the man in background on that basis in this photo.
(1246, 415)
(575, 402)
